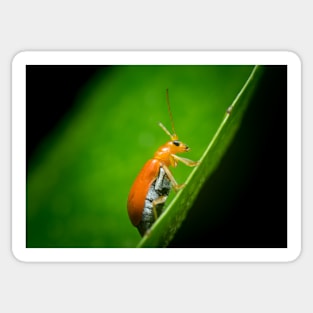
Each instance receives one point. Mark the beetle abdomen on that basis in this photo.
(159, 188)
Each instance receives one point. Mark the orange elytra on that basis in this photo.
(154, 182)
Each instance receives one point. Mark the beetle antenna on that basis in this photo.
(166, 131)
(173, 136)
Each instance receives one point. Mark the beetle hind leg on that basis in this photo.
(156, 202)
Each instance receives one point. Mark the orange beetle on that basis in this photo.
(153, 184)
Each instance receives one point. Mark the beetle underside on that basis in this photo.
(158, 192)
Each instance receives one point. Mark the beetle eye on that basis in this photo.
(176, 143)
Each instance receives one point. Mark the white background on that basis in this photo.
(154, 25)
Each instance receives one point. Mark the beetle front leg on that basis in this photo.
(185, 161)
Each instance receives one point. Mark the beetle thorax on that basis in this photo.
(164, 154)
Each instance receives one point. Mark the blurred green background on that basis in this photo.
(79, 172)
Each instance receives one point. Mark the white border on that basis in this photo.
(154, 255)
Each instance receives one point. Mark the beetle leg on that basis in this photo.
(185, 161)
(155, 202)
(170, 176)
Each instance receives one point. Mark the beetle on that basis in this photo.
(152, 186)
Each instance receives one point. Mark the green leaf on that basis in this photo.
(171, 219)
